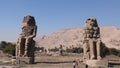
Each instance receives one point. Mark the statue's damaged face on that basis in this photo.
(91, 22)
(28, 21)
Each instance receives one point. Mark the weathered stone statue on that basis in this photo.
(91, 40)
(25, 44)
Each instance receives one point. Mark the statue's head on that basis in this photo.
(91, 22)
(29, 21)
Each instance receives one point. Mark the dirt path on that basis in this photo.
(51, 65)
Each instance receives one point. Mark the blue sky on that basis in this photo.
(54, 15)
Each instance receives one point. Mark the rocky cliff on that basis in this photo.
(73, 37)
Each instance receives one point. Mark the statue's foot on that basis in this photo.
(99, 58)
(92, 57)
(20, 55)
(24, 55)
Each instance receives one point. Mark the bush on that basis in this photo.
(77, 50)
(114, 51)
(109, 51)
(74, 50)
(3, 44)
(105, 50)
(54, 49)
(8, 47)
(119, 53)
(39, 48)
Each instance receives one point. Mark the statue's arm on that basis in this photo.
(98, 33)
(34, 32)
(84, 35)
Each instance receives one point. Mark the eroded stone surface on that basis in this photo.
(91, 40)
(97, 63)
(25, 44)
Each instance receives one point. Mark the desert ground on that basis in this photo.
(44, 61)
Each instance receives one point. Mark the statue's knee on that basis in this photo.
(99, 42)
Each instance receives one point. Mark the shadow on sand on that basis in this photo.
(113, 64)
(52, 62)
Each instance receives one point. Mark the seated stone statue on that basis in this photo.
(91, 40)
(25, 44)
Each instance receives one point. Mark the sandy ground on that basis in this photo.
(42, 62)
(48, 62)
(51, 65)
(43, 65)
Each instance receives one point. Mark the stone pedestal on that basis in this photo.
(25, 60)
(97, 63)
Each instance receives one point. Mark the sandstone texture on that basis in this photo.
(91, 40)
(26, 45)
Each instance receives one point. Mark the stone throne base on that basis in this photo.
(25, 60)
(97, 63)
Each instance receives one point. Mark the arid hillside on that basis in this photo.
(73, 37)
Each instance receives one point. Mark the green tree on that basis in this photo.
(10, 49)
(109, 51)
(54, 49)
(105, 50)
(113, 51)
(3, 44)
(77, 50)
(74, 50)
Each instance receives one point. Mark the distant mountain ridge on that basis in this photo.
(73, 37)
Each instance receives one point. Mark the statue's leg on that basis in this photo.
(92, 54)
(98, 50)
(17, 49)
(27, 43)
(86, 49)
(20, 46)
(31, 54)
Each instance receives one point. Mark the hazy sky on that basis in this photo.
(54, 15)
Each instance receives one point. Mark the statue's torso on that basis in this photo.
(27, 31)
(91, 33)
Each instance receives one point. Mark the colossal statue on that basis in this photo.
(91, 40)
(26, 45)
